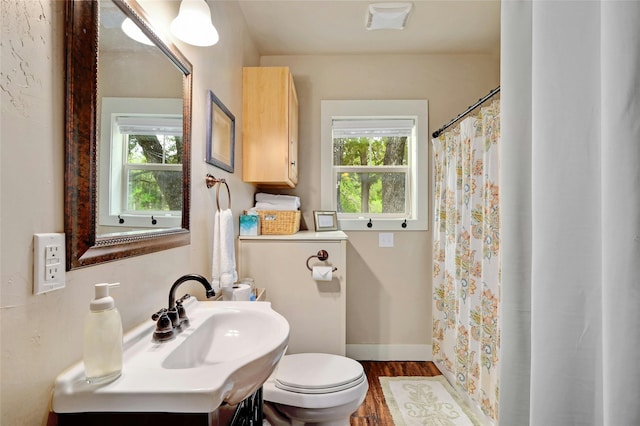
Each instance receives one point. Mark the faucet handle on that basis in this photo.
(158, 314)
(183, 298)
(164, 328)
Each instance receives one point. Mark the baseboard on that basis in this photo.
(389, 352)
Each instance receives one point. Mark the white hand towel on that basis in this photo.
(285, 200)
(215, 260)
(264, 205)
(228, 272)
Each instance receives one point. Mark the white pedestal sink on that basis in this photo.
(227, 353)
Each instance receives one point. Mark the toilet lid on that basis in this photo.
(318, 373)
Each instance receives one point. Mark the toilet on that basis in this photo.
(314, 389)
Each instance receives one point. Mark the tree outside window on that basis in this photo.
(375, 188)
(154, 173)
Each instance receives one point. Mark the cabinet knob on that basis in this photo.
(293, 163)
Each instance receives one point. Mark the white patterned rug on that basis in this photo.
(425, 401)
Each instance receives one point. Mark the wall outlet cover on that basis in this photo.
(48, 262)
(385, 239)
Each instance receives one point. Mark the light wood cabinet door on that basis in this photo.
(269, 127)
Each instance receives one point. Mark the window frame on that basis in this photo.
(112, 160)
(418, 162)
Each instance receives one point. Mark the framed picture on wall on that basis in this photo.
(221, 133)
(325, 220)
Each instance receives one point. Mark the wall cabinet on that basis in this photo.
(269, 127)
(316, 310)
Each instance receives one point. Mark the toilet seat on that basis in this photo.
(316, 381)
(314, 373)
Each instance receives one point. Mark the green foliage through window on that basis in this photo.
(153, 181)
(371, 174)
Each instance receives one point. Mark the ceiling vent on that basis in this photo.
(388, 16)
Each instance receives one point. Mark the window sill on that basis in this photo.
(383, 224)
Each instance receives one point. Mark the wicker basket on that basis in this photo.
(279, 222)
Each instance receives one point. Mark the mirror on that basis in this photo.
(103, 100)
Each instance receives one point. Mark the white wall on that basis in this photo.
(42, 335)
(388, 289)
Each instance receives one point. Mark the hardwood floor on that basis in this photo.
(374, 411)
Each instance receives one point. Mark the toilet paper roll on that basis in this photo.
(227, 293)
(237, 293)
(241, 292)
(323, 273)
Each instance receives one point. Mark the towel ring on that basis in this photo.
(213, 181)
(218, 194)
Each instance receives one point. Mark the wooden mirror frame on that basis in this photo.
(83, 246)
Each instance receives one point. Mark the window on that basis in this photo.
(141, 164)
(151, 164)
(374, 163)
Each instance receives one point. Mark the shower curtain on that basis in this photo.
(570, 180)
(466, 258)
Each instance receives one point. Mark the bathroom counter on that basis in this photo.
(301, 236)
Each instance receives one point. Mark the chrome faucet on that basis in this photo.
(170, 321)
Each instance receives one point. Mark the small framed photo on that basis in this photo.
(221, 134)
(325, 220)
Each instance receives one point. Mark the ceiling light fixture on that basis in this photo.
(193, 24)
(387, 16)
(134, 32)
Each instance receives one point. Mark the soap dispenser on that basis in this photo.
(103, 338)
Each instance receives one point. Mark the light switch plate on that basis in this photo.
(385, 239)
(48, 262)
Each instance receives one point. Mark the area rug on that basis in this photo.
(425, 401)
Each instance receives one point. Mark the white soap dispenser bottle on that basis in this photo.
(103, 338)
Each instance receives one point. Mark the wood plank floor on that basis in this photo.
(374, 411)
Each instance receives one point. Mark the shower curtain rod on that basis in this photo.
(460, 116)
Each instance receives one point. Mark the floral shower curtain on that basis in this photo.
(466, 258)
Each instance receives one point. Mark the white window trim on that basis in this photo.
(107, 211)
(419, 160)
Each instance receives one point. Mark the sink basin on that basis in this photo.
(226, 354)
(226, 335)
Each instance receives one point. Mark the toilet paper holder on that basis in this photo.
(321, 255)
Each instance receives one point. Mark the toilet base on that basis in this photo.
(286, 415)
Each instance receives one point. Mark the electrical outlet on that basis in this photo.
(48, 262)
(53, 263)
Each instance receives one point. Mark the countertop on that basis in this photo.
(300, 236)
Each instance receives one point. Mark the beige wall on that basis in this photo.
(388, 289)
(42, 335)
